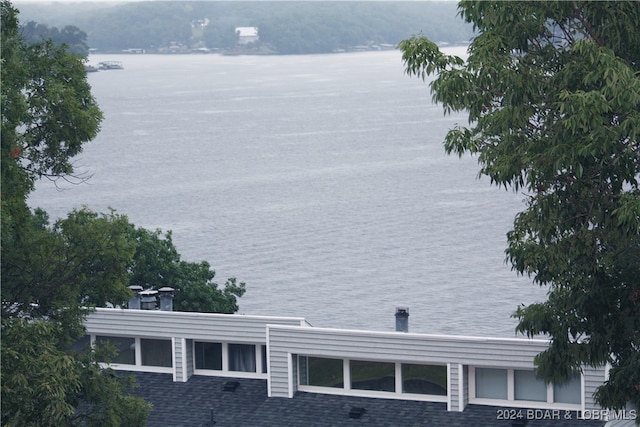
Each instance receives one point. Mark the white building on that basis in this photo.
(247, 35)
(292, 356)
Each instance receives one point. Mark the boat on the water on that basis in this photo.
(110, 65)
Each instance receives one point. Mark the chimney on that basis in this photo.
(402, 319)
(134, 301)
(148, 299)
(166, 298)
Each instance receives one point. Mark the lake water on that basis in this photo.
(320, 181)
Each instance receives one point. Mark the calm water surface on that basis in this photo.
(318, 180)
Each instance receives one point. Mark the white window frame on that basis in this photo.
(225, 372)
(138, 366)
(511, 401)
(346, 390)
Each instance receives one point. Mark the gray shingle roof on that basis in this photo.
(191, 404)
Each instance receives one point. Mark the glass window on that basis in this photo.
(491, 383)
(373, 375)
(81, 344)
(424, 379)
(242, 357)
(208, 355)
(529, 387)
(125, 349)
(568, 392)
(156, 352)
(321, 372)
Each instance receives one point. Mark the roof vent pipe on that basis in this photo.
(166, 298)
(402, 319)
(134, 301)
(148, 299)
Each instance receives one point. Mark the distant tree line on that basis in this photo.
(286, 27)
(70, 35)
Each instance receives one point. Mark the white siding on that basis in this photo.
(406, 347)
(453, 385)
(593, 378)
(465, 388)
(288, 338)
(458, 387)
(278, 371)
(180, 361)
(178, 368)
(196, 326)
(394, 346)
(399, 347)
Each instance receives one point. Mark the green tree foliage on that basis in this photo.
(50, 279)
(44, 385)
(72, 37)
(48, 111)
(151, 29)
(144, 25)
(47, 114)
(50, 275)
(157, 263)
(552, 90)
(55, 272)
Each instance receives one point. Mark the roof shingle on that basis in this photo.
(194, 403)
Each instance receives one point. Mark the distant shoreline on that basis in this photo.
(354, 49)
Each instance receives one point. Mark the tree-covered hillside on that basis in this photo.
(284, 27)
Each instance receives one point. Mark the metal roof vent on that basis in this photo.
(356, 412)
(165, 295)
(134, 301)
(402, 319)
(230, 386)
(148, 299)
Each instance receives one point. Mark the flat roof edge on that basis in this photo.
(415, 335)
(301, 320)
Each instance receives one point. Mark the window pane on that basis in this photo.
(242, 357)
(125, 347)
(321, 372)
(568, 392)
(373, 375)
(491, 383)
(81, 344)
(208, 355)
(529, 387)
(424, 379)
(156, 352)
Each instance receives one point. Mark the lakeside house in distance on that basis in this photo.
(247, 35)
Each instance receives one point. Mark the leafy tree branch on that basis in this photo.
(552, 92)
